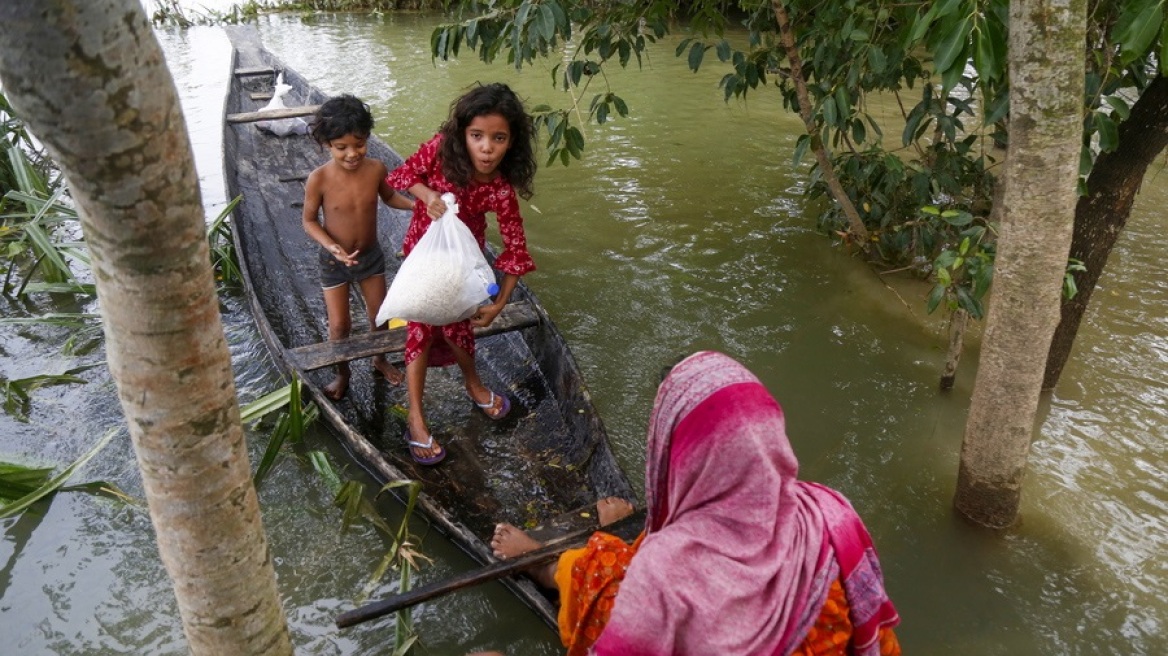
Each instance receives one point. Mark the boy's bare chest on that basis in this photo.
(351, 196)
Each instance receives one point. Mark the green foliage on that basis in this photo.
(17, 393)
(289, 425)
(21, 487)
(223, 258)
(963, 270)
(954, 51)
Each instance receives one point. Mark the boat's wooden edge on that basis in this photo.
(272, 114)
(515, 316)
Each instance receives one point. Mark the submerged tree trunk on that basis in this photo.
(957, 322)
(856, 224)
(90, 80)
(1046, 91)
(1101, 215)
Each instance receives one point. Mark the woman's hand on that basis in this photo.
(486, 315)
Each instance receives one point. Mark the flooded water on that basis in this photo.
(683, 228)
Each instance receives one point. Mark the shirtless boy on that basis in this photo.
(346, 190)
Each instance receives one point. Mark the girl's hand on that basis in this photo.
(486, 315)
(435, 207)
(349, 259)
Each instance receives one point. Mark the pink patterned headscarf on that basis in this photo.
(738, 555)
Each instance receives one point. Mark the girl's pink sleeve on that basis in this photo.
(514, 259)
(416, 168)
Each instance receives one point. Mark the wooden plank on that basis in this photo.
(515, 316)
(256, 70)
(271, 114)
(261, 95)
(627, 529)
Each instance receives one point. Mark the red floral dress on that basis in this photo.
(473, 204)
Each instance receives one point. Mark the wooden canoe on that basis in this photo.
(543, 464)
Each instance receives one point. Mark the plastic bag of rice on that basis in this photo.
(444, 278)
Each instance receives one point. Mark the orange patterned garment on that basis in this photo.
(589, 578)
(832, 633)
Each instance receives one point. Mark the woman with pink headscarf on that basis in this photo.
(737, 556)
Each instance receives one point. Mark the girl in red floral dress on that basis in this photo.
(483, 154)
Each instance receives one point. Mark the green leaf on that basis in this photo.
(801, 146)
(621, 108)
(696, 53)
(1136, 30)
(545, 22)
(1162, 59)
(952, 44)
(1118, 107)
(18, 506)
(935, 298)
(723, 50)
(969, 303)
(1108, 132)
(985, 59)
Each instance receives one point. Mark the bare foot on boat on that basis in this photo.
(387, 370)
(509, 541)
(611, 509)
(336, 389)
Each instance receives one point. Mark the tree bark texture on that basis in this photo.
(89, 78)
(1100, 216)
(1046, 91)
(957, 321)
(822, 157)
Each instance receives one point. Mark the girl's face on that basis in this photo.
(487, 139)
(348, 151)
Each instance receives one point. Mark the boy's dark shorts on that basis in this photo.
(334, 273)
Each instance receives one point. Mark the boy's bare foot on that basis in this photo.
(336, 389)
(387, 370)
(509, 541)
(611, 509)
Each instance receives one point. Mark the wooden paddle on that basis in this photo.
(626, 528)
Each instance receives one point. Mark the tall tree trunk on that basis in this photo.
(1046, 91)
(856, 224)
(1101, 215)
(90, 80)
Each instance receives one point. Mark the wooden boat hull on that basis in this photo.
(547, 459)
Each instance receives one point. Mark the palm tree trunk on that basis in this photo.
(90, 79)
(1046, 91)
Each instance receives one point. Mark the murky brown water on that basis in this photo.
(683, 228)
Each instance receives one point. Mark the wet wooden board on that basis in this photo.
(515, 316)
(272, 114)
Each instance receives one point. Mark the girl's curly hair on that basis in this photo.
(518, 165)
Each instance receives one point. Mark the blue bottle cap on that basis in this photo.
(492, 289)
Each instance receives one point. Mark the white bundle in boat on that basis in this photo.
(282, 127)
(443, 279)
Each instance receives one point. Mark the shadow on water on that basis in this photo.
(683, 228)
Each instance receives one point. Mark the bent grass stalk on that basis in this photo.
(21, 486)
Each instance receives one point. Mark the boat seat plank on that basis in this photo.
(254, 70)
(515, 316)
(271, 114)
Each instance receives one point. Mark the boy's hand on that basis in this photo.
(486, 315)
(349, 259)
